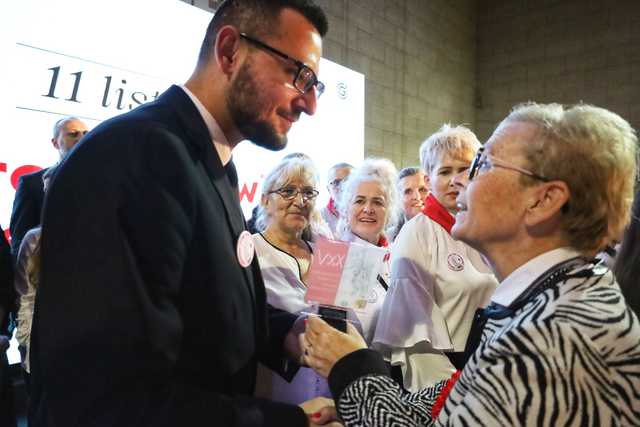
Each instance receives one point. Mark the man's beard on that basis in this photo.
(245, 105)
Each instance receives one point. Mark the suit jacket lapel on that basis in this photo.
(198, 135)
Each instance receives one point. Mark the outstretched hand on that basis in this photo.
(324, 345)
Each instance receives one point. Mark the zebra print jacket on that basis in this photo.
(570, 356)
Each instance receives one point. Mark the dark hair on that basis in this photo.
(404, 172)
(408, 171)
(627, 265)
(258, 18)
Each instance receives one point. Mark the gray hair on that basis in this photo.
(57, 127)
(452, 140)
(296, 154)
(334, 168)
(286, 171)
(381, 171)
(595, 152)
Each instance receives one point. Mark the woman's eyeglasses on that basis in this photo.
(483, 162)
(290, 193)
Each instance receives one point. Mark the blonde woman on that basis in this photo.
(437, 282)
(286, 217)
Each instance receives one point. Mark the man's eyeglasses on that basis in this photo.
(305, 78)
(290, 193)
(483, 162)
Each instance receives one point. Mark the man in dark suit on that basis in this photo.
(151, 308)
(27, 204)
(7, 306)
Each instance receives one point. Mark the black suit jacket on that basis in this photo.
(7, 301)
(7, 290)
(143, 316)
(27, 207)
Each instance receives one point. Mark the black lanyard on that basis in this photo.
(559, 273)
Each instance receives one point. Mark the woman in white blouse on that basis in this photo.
(286, 217)
(368, 206)
(437, 282)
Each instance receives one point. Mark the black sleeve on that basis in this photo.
(7, 292)
(25, 214)
(280, 323)
(119, 302)
(366, 396)
(353, 366)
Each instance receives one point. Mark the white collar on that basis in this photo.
(215, 132)
(522, 277)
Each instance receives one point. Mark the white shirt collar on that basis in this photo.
(522, 277)
(215, 132)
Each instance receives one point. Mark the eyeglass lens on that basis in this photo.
(306, 79)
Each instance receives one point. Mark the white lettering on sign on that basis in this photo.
(331, 260)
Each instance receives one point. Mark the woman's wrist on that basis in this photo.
(353, 366)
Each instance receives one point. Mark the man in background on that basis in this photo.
(27, 204)
(338, 173)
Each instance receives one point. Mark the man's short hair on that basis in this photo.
(452, 140)
(332, 170)
(258, 18)
(594, 151)
(57, 127)
(408, 171)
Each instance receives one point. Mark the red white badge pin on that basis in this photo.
(455, 262)
(245, 249)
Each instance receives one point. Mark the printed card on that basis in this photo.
(343, 273)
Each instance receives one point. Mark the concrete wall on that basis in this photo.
(418, 57)
(557, 51)
(428, 62)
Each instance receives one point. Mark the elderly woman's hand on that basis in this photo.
(321, 411)
(324, 345)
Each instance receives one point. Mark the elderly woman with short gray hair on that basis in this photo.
(368, 205)
(558, 345)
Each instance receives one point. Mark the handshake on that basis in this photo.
(320, 346)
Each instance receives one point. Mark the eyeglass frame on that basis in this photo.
(297, 192)
(477, 164)
(317, 84)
